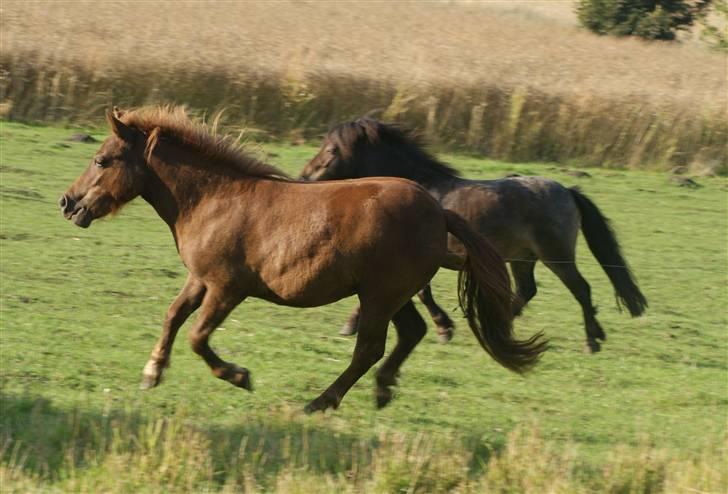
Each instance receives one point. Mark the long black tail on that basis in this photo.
(602, 241)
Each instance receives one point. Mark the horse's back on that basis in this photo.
(515, 212)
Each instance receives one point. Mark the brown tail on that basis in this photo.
(484, 290)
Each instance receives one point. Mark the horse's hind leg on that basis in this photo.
(350, 326)
(525, 283)
(215, 308)
(370, 342)
(186, 303)
(411, 329)
(575, 282)
(443, 322)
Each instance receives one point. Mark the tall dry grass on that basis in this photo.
(46, 450)
(495, 81)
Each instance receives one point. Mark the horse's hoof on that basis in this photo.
(383, 395)
(320, 404)
(348, 330)
(240, 377)
(593, 346)
(149, 382)
(312, 408)
(151, 376)
(444, 335)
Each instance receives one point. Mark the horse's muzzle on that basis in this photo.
(69, 208)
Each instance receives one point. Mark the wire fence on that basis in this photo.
(724, 263)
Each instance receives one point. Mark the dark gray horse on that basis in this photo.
(525, 218)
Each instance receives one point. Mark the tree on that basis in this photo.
(650, 19)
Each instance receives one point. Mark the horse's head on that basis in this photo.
(368, 148)
(115, 176)
(347, 151)
(328, 164)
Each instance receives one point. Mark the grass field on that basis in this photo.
(81, 309)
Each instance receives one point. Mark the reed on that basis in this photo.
(505, 85)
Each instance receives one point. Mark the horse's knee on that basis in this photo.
(198, 342)
(371, 354)
(175, 317)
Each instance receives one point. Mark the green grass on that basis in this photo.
(81, 310)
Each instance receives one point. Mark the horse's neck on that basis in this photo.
(162, 198)
(175, 190)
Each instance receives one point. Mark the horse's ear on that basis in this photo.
(119, 128)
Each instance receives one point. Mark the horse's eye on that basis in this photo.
(99, 162)
(333, 150)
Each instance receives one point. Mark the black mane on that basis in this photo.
(406, 155)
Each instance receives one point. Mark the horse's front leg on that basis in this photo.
(215, 308)
(188, 300)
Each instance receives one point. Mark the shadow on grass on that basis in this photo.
(48, 442)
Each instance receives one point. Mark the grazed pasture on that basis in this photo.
(81, 309)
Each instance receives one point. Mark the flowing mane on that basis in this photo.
(408, 145)
(171, 124)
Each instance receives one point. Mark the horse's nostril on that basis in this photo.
(66, 204)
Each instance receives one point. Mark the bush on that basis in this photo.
(714, 36)
(650, 19)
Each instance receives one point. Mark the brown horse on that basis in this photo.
(243, 230)
(525, 218)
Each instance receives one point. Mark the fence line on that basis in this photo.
(655, 268)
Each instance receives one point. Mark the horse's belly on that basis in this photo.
(307, 297)
(307, 280)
